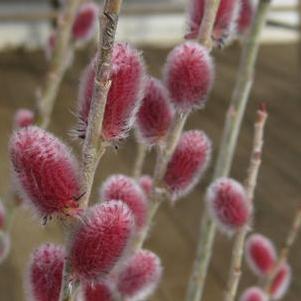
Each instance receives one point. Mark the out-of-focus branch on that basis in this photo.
(138, 165)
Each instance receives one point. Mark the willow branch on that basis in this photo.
(250, 184)
(138, 165)
(232, 126)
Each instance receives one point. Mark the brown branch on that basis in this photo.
(138, 165)
(250, 184)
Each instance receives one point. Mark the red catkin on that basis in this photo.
(100, 291)
(245, 16)
(253, 294)
(23, 118)
(45, 171)
(45, 273)
(188, 76)
(187, 164)
(85, 22)
(155, 114)
(281, 282)
(140, 276)
(125, 189)
(101, 240)
(228, 205)
(2, 216)
(225, 23)
(4, 245)
(146, 183)
(260, 254)
(124, 97)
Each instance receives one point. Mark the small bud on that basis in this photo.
(245, 16)
(228, 205)
(156, 113)
(2, 215)
(50, 45)
(85, 23)
(4, 245)
(146, 183)
(124, 96)
(101, 240)
(281, 282)
(45, 273)
(99, 291)
(125, 189)
(188, 75)
(225, 22)
(23, 118)
(253, 294)
(187, 164)
(45, 171)
(140, 276)
(260, 254)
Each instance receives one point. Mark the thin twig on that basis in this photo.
(138, 165)
(228, 144)
(250, 184)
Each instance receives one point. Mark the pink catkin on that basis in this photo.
(2, 216)
(124, 97)
(188, 162)
(140, 276)
(101, 241)
(85, 23)
(260, 254)
(281, 282)
(99, 291)
(245, 16)
(253, 294)
(228, 205)
(4, 245)
(156, 113)
(225, 22)
(23, 118)
(125, 189)
(188, 75)
(146, 183)
(45, 171)
(45, 273)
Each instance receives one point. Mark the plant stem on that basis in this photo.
(94, 147)
(228, 144)
(138, 165)
(59, 63)
(250, 184)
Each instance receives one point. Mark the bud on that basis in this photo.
(124, 96)
(228, 205)
(188, 75)
(99, 291)
(253, 294)
(23, 118)
(156, 113)
(281, 282)
(50, 45)
(45, 273)
(260, 254)
(125, 189)
(101, 240)
(146, 183)
(245, 16)
(4, 245)
(2, 215)
(85, 22)
(187, 164)
(140, 276)
(225, 22)
(45, 171)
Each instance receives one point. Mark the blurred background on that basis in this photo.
(155, 27)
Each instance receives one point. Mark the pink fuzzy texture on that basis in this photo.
(99, 291)
(45, 171)
(125, 189)
(156, 113)
(140, 276)
(146, 183)
(188, 162)
(281, 282)
(228, 205)
(85, 23)
(260, 254)
(225, 22)
(45, 273)
(4, 245)
(2, 215)
(124, 97)
(23, 118)
(101, 240)
(253, 294)
(245, 16)
(188, 75)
